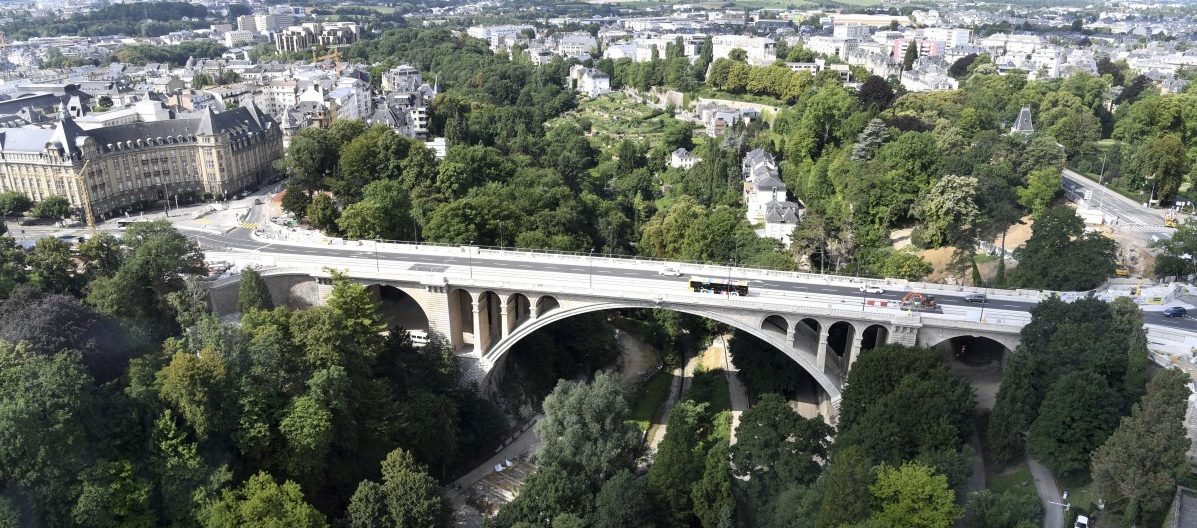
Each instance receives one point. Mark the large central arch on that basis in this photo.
(778, 340)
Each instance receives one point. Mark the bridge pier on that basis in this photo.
(481, 332)
(857, 338)
(505, 317)
(821, 351)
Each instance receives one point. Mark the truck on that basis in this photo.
(918, 301)
(1170, 219)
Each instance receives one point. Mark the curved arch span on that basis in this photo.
(500, 349)
(1009, 342)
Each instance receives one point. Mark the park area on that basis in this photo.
(615, 117)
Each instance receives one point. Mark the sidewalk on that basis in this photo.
(1049, 493)
(524, 443)
(735, 389)
(681, 382)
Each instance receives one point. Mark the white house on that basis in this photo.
(590, 81)
(683, 159)
(760, 50)
(781, 218)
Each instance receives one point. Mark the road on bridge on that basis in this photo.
(240, 239)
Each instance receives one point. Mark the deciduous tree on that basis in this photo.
(913, 496)
(585, 429)
(261, 503)
(1061, 256)
(1138, 467)
(52, 267)
(624, 501)
(1075, 418)
(407, 496)
(777, 445)
(53, 207)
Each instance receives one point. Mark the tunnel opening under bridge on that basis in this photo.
(980, 361)
(398, 309)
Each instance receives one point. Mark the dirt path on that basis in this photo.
(635, 359)
(681, 382)
(735, 388)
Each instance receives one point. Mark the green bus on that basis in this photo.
(738, 288)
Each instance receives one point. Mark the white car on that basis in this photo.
(670, 272)
(871, 288)
(1081, 522)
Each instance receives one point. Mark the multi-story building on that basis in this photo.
(759, 50)
(267, 22)
(951, 37)
(402, 78)
(131, 165)
(855, 31)
(310, 34)
(247, 23)
(234, 38)
(276, 96)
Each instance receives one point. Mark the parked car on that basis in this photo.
(670, 272)
(976, 298)
(871, 288)
(1175, 311)
(1081, 522)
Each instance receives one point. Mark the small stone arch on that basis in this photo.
(461, 318)
(519, 310)
(775, 323)
(873, 336)
(546, 304)
(399, 309)
(489, 319)
(840, 336)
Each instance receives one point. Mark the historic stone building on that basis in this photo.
(131, 165)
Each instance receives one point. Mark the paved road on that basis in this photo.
(240, 239)
(1132, 217)
(1049, 493)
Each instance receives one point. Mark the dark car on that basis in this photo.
(1175, 311)
(976, 298)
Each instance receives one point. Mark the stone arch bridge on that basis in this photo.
(483, 315)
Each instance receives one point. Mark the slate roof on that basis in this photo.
(778, 212)
(237, 124)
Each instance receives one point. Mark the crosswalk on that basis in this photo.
(1144, 229)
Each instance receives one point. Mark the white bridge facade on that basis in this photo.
(483, 308)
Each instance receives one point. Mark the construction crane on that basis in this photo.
(85, 195)
(335, 56)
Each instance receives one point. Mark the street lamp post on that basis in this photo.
(470, 254)
(729, 279)
(1101, 178)
(590, 268)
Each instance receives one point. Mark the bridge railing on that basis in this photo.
(814, 305)
(715, 270)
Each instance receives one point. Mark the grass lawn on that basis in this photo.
(1016, 480)
(649, 398)
(1081, 494)
(984, 258)
(710, 386)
